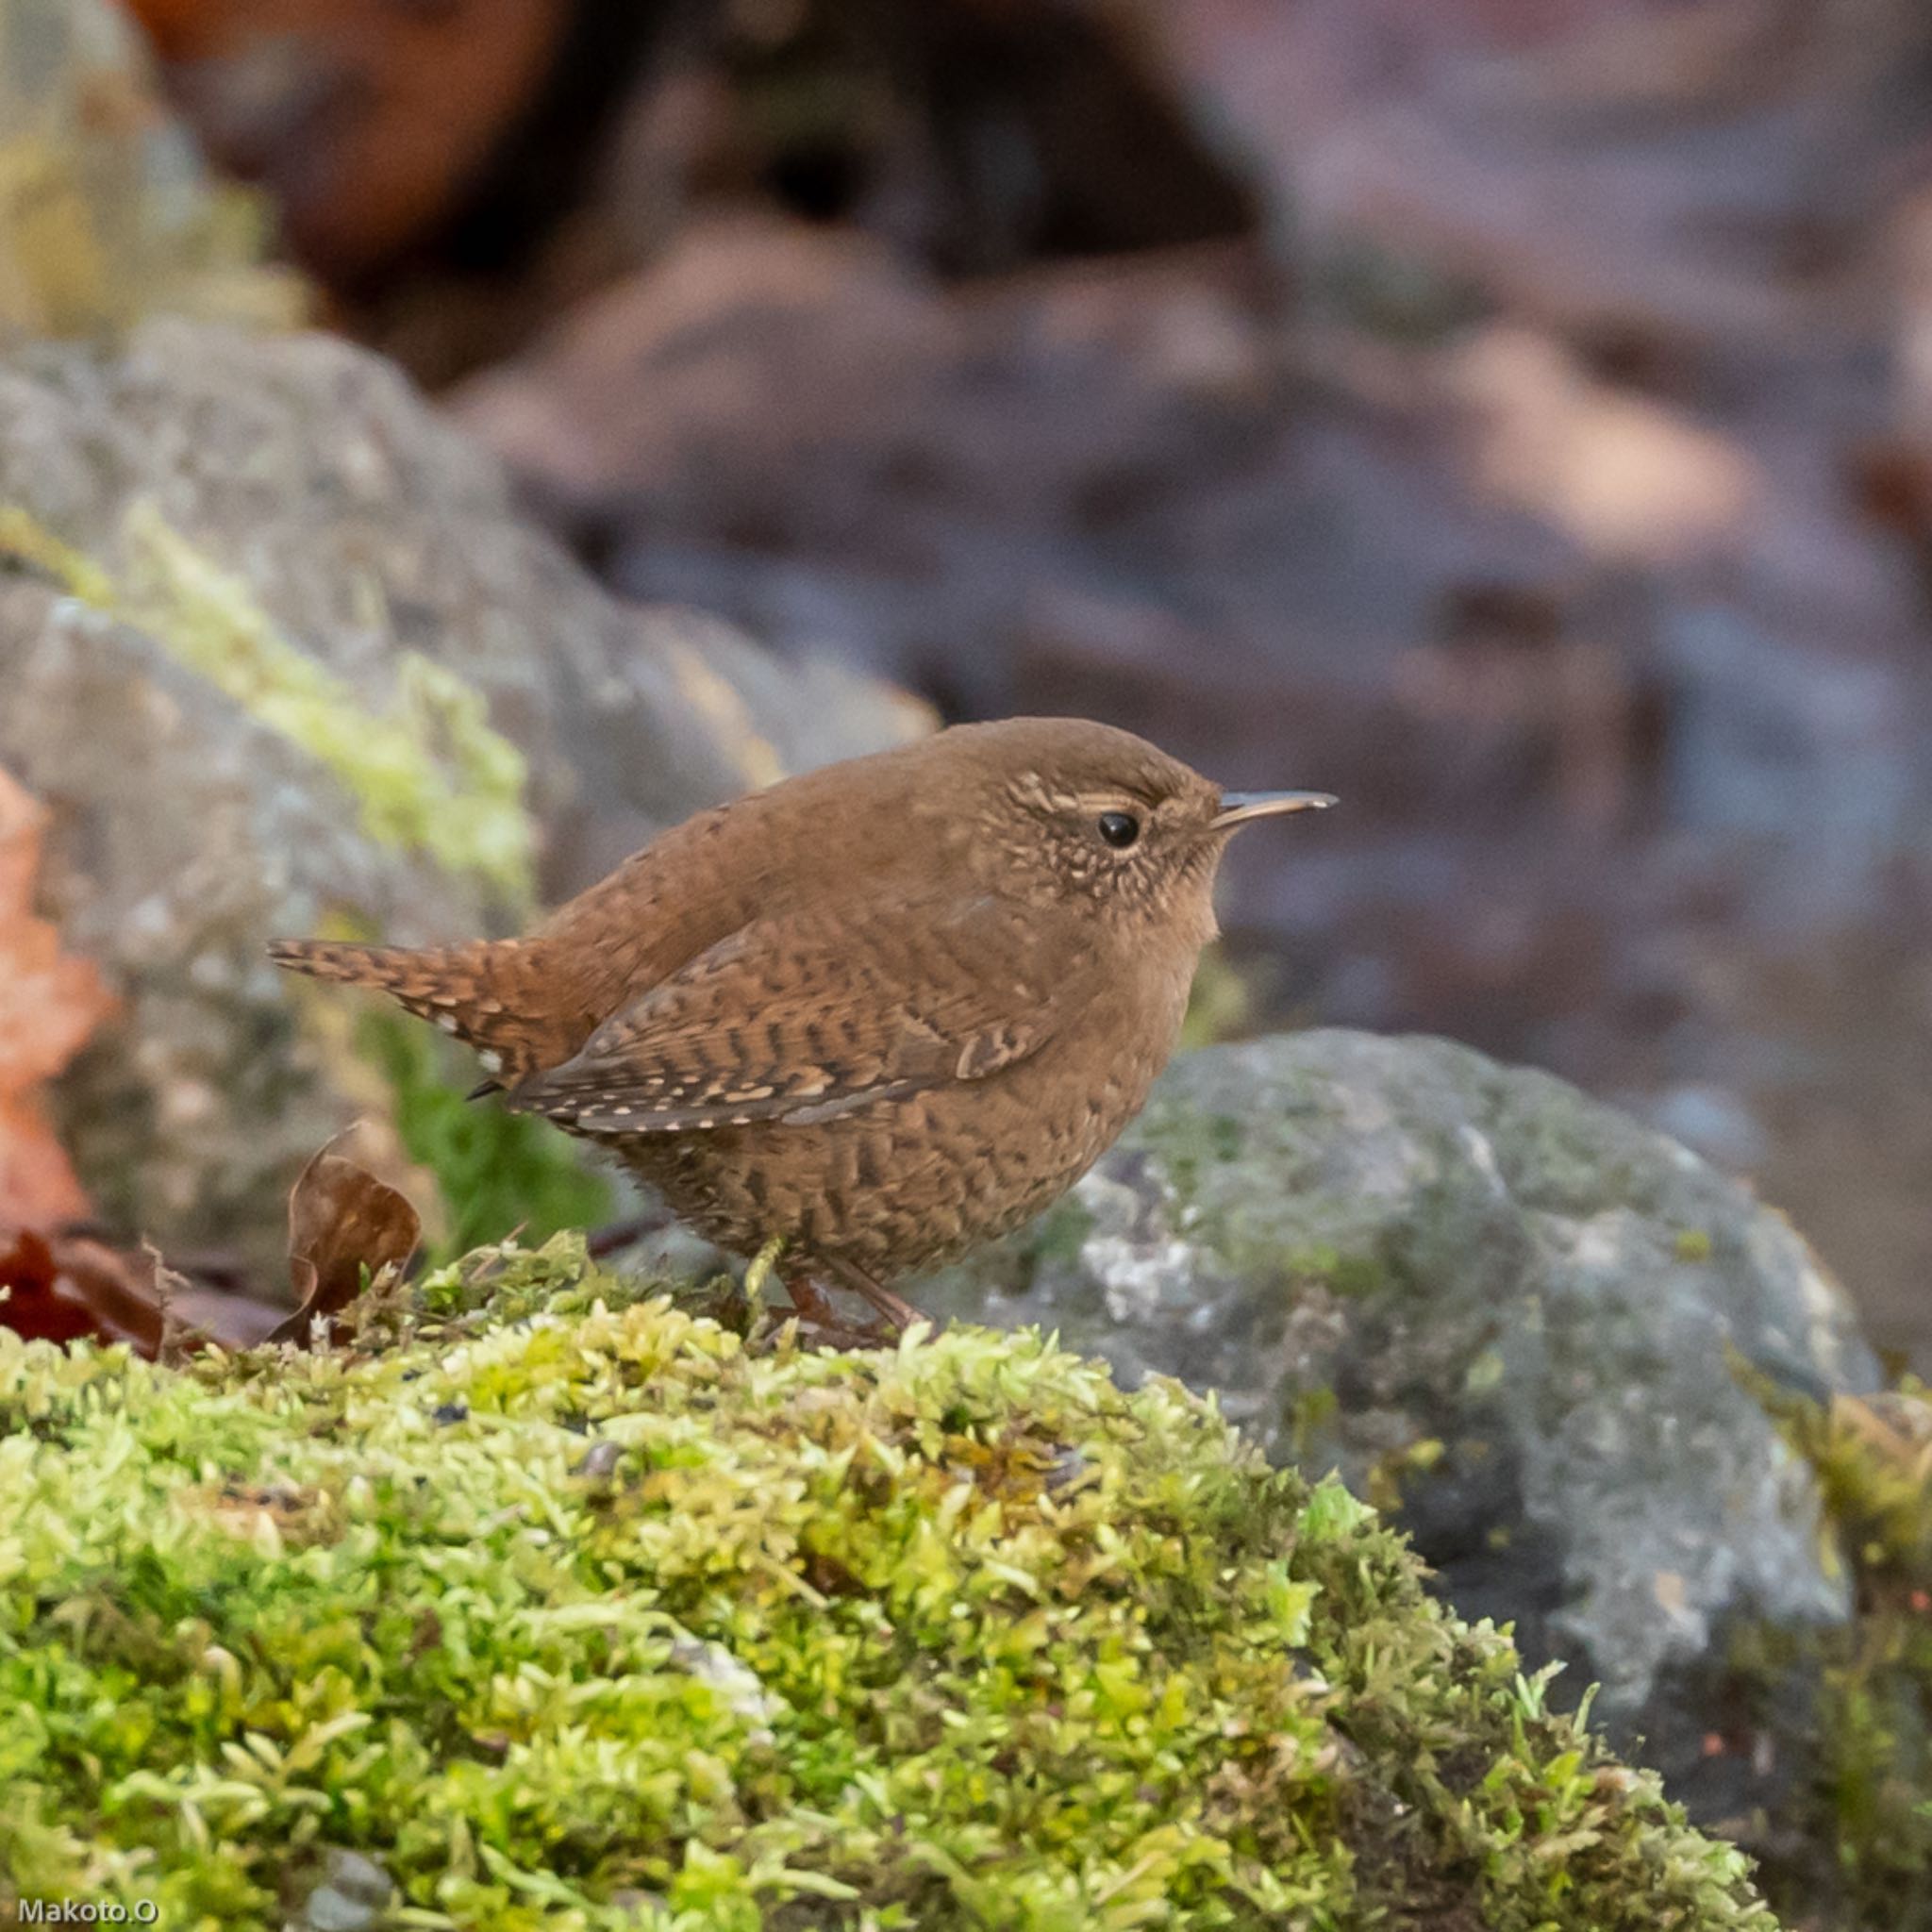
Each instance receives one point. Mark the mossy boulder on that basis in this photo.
(1541, 1330)
(566, 1608)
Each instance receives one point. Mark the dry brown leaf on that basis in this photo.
(50, 1002)
(341, 1222)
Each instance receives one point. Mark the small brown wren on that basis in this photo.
(886, 1009)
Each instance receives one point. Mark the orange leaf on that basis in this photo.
(365, 120)
(50, 1002)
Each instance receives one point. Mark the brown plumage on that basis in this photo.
(887, 1009)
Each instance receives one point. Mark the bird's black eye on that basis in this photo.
(1119, 828)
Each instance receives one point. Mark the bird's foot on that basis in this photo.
(759, 1272)
(810, 1307)
(894, 1313)
(818, 1321)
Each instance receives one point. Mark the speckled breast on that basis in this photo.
(904, 1185)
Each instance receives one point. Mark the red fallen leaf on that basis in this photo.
(73, 1290)
(49, 1004)
(341, 1221)
(66, 1287)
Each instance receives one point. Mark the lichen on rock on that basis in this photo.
(279, 652)
(566, 1608)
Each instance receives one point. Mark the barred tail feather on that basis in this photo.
(487, 994)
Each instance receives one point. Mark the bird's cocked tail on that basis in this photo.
(487, 993)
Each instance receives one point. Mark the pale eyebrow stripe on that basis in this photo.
(1126, 792)
(1099, 801)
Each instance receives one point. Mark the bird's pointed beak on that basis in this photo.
(1238, 808)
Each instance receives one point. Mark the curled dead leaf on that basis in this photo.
(344, 1225)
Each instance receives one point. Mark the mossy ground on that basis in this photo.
(569, 1609)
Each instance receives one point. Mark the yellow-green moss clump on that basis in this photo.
(1850, 1846)
(564, 1609)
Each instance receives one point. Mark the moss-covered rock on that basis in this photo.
(566, 1608)
(1528, 1319)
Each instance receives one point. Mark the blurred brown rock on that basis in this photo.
(458, 171)
(364, 118)
(788, 422)
(1716, 172)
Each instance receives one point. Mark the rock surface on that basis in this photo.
(1522, 1310)
(186, 830)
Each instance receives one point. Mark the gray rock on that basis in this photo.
(1525, 1314)
(354, 1896)
(186, 831)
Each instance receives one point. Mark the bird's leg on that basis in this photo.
(899, 1315)
(809, 1299)
(817, 1318)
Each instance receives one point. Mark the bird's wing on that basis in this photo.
(801, 1018)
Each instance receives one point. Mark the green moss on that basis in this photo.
(569, 1611)
(1340, 1274)
(428, 775)
(1853, 1847)
(1221, 1002)
(1056, 1239)
(1309, 1415)
(1191, 1146)
(1259, 1235)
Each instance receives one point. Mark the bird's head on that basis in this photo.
(1059, 811)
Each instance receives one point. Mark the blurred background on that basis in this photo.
(1515, 418)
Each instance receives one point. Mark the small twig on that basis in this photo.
(174, 1346)
(759, 1274)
